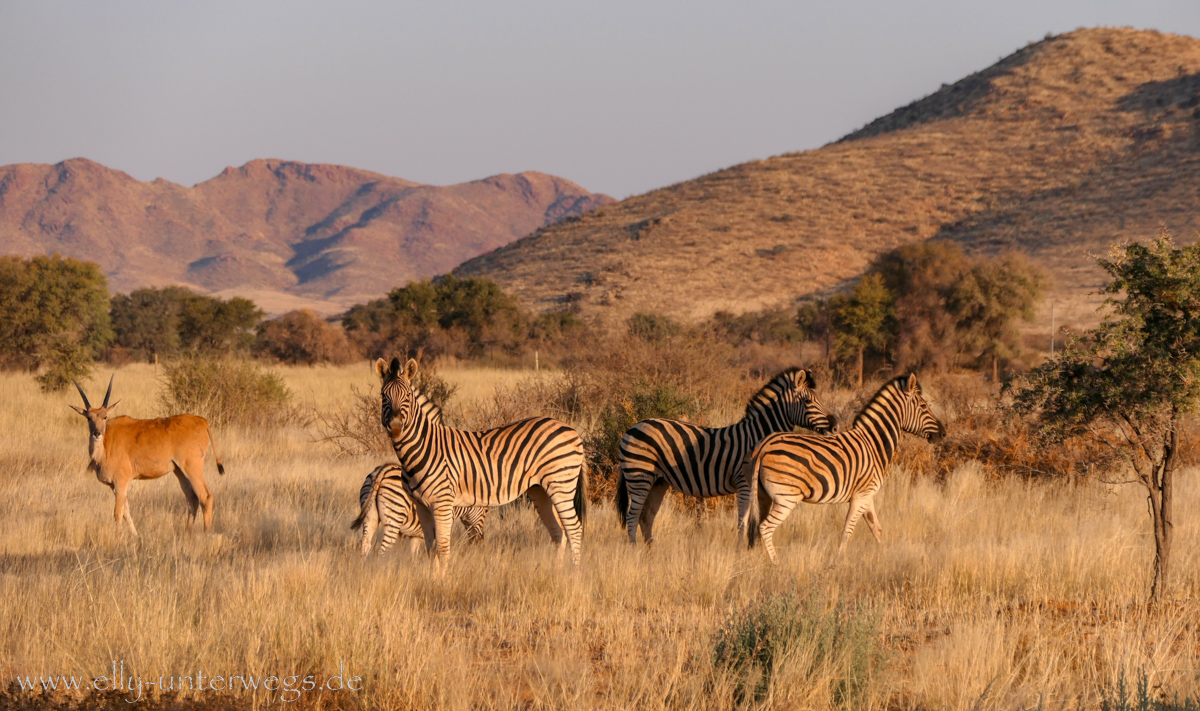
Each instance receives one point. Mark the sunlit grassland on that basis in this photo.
(985, 593)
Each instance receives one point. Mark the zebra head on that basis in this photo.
(794, 388)
(396, 393)
(915, 415)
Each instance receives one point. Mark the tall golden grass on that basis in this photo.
(986, 593)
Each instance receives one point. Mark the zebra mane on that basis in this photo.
(894, 384)
(429, 407)
(768, 394)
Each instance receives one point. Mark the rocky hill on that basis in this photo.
(1058, 150)
(287, 234)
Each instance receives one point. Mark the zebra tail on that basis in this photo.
(622, 499)
(750, 473)
(368, 502)
(581, 495)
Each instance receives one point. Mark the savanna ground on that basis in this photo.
(988, 592)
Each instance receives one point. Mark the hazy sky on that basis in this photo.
(620, 97)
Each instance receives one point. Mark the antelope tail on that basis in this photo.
(213, 441)
(368, 502)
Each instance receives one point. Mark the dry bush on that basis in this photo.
(354, 430)
(226, 391)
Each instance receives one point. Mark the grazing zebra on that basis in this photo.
(707, 461)
(447, 467)
(386, 502)
(786, 469)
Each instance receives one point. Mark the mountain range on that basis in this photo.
(1059, 150)
(286, 234)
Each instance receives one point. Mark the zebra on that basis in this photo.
(447, 467)
(385, 501)
(706, 461)
(786, 469)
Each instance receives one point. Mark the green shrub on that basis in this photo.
(784, 637)
(1118, 699)
(226, 391)
(53, 317)
(653, 327)
(645, 401)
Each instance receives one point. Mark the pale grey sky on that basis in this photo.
(620, 97)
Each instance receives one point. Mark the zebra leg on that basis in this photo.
(564, 505)
(744, 495)
(776, 515)
(370, 521)
(428, 528)
(873, 520)
(549, 517)
(443, 523)
(474, 521)
(390, 533)
(639, 486)
(857, 507)
(650, 509)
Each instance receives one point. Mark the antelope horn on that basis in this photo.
(109, 393)
(86, 404)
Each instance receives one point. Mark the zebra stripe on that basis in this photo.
(707, 461)
(786, 469)
(385, 502)
(446, 467)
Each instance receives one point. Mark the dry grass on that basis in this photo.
(985, 594)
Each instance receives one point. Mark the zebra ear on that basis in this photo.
(381, 369)
(410, 369)
(812, 379)
(911, 385)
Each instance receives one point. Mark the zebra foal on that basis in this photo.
(707, 461)
(447, 467)
(786, 469)
(386, 504)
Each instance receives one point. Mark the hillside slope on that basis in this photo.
(284, 232)
(1057, 150)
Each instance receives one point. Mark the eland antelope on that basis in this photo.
(123, 449)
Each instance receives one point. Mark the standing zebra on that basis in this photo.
(385, 502)
(447, 467)
(707, 461)
(786, 469)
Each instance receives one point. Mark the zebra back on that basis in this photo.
(706, 461)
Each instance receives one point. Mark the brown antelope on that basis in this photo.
(123, 449)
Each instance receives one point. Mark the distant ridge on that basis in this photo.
(1057, 150)
(289, 234)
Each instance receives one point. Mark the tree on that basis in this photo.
(165, 321)
(211, 325)
(863, 320)
(440, 316)
(53, 316)
(304, 337)
(985, 303)
(1128, 383)
(146, 321)
(954, 310)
